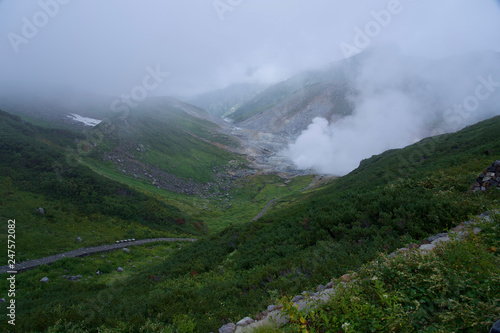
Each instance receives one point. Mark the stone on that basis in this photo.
(427, 247)
(413, 246)
(441, 239)
(44, 280)
(119, 269)
(496, 327)
(297, 298)
(117, 242)
(2, 300)
(228, 328)
(272, 308)
(320, 288)
(126, 250)
(40, 210)
(433, 238)
(245, 321)
(329, 285)
(97, 273)
(102, 256)
(79, 239)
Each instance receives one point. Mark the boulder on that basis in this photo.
(40, 211)
(496, 327)
(272, 308)
(245, 321)
(320, 288)
(44, 280)
(427, 247)
(228, 328)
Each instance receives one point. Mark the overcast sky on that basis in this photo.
(105, 45)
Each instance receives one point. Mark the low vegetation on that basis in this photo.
(310, 237)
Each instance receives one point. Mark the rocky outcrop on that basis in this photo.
(490, 178)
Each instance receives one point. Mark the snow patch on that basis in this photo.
(86, 121)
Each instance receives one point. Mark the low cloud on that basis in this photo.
(398, 101)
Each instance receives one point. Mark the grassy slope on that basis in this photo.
(174, 140)
(453, 288)
(391, 200)
(35, 172)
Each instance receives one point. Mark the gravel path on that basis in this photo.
(25, 265)
(264, 210)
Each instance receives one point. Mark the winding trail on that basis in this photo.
(86, 251)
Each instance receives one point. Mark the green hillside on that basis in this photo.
(391, 200)
(36, 172)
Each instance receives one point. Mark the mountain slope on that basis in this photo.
(37, 171)
(393, 199)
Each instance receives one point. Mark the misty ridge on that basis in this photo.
(324, 89)
(399, 100)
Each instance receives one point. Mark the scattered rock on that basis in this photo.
(79, 239)
(228, 328)
(44, 280)
(119, 269)
(488, 179)
(126, 250)
(272, 308)
(496, 327)
(245, 321)
(427, 247)
(40, 211)
(320, 288)
(441, 239)
(433, 238)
